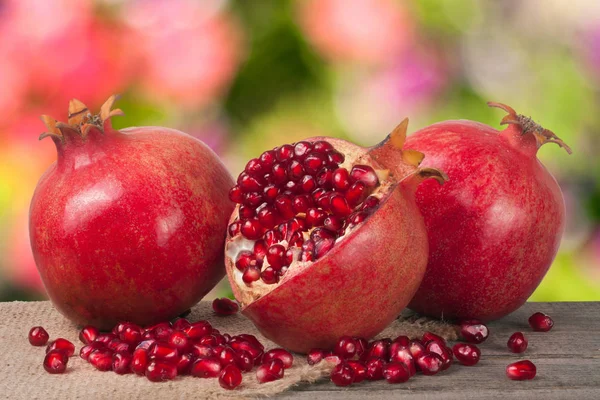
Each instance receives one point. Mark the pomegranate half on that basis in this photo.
(495, 228)
(128, 225)
(326, 239)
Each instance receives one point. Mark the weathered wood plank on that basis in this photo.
(567, 359)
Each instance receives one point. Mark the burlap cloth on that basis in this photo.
(22, 375)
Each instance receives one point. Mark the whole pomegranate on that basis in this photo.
(495, 228)
(130, 224)
(326, 239)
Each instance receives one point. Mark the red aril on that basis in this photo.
(61, 344)
(540, 322)
(163, 351)
(342, 374)
(244, 360)
(345, 348)
(38, 336)
(474, 331)
(230, 377)
(226, 356)
(159, 371)
(379, 349)
(315, 356)
(179, 340)
(517, 343)
(101, 359)
(466, 354)
(442, 351)
(55, 362)
(270, 371)
(88, 334)
(360, 370)
(121, 363)
(404, 356)
(521, 370)
(396, 372)
(375, 368)
(130, 217)
(225, 306)
(140, 361)
(495, 228)
(281, 354)
(86, 350)
(209, 367)
(430, 363)
(184, 363)
(312, 234)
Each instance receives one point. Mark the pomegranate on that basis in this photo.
(38, 336)
(521, 370)
(495, 228)
(540, 322)
(324, 230)
(127, 225)
(224, 306)
(56, 362)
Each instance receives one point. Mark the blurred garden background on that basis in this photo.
(244, 76)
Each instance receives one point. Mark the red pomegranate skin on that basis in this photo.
(129, 225)
(494, 228)
(361, 285)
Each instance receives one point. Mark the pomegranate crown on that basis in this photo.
(527, 125)
(80, 121)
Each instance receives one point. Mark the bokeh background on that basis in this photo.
(244, 76)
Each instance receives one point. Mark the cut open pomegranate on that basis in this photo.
(324, 230)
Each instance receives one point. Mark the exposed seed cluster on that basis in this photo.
(295, 201)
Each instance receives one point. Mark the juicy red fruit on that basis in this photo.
(430, 363)
(521, 370)
(159, 371)
(230, 377)
(466, 354)
(342, 374)
(161, 189)
(61, 344)
(38, 336)
(55, 362)
(517, 343)
(270, 371)
(474, 331)
(396, 372)
(225, 306)
(281, 354)
(88, 334)
(512, 215)
(540, 322)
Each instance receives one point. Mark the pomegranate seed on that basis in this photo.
(365, 174)
(139, 362)
(251, 274)
(378, 349)
(315, 356)
(466, 354)
(342, 375)
(272, 237)
(234, 228)
(200, 350)
(345, 347)
(370, 203)
(184, 364)
(118, 346)
(517, 343)
(474, 331)
(131, 334)
(301, 149)
(276, 256)
(88, 334)
(255, 350)
(402, 355)
(208, 340)
(198, 329)
(335, 157)
(285, 356)
(332, 358)
(252, 200)
(416, 348)
(55, 362)
(267, 158)
(402, 340)
(105, 338)
(308, 183)
(163, 351)
(442, 351)
(230, 377)
(325, 178)
(295, 170)
(251, 229)
(301, 203)
(255, 167)
(181, 324)
(430, 363)
(315, 217)
(209, 367)
(101, 359)
(38, 336)
(323, 246)
(249, 183)
(313, 162)
(244, 360)
(540, 322)
(284, 153)
(247, 212)
(339, 205)
(375, 368)
(236, 194)
(145, 344)
(291, 187)
(159, 371)
(86, 350)
(361, 346)
(260, 250)
(360, 371)
(396, 372)
(296, 240)
(322, 146)
(429, 336)
(162, 331)
(332, 223)
(225, 306)
(355, 193)
(270, 193)
(270, 371)
(521, 370)
(61, 344)
(226, 356)
(279, 173)
(244, 260)
(179, 340)
(121, 363)
(340, 179)
(269, 276)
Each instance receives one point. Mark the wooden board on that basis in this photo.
(567, 360)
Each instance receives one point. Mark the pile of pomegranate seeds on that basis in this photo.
(540, 322)
(225, 306)
(295, 201)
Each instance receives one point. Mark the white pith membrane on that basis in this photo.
(247, 293)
